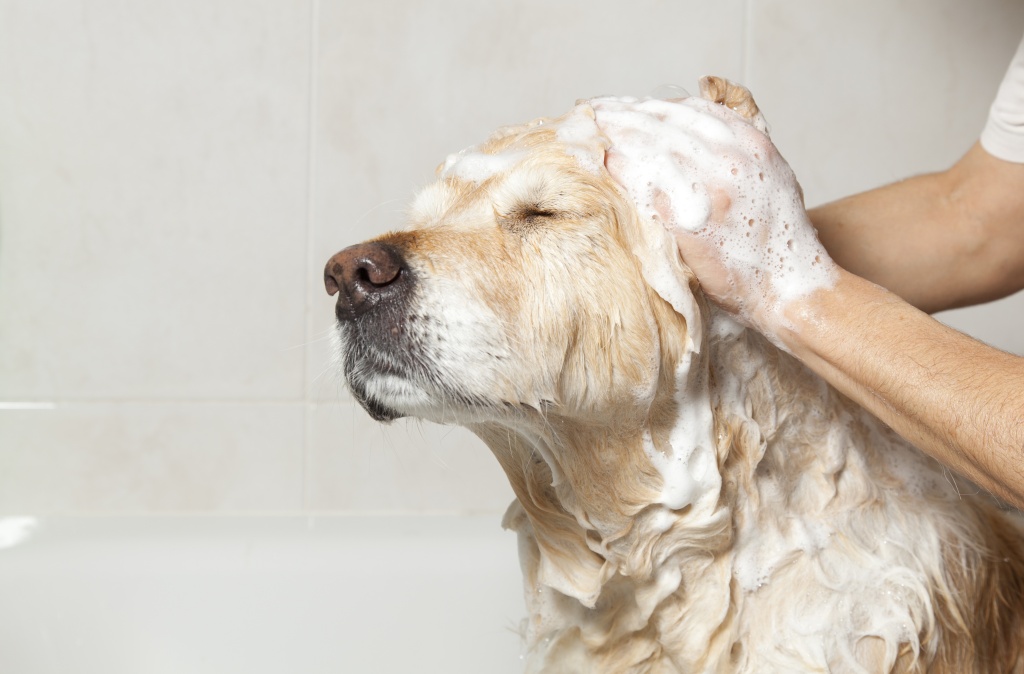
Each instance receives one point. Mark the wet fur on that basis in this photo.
(532, 323)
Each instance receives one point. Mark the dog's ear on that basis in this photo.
(734, 96)
(666, 273)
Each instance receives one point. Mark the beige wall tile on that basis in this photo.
(357, 464)
(863, 93)
(151, 458)
(153, 161)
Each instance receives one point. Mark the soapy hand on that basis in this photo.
(728, 197)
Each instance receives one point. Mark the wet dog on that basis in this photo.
(689, 498)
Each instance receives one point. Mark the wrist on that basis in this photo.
(797, 318)
(811, 326)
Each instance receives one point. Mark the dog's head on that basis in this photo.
(520, 285)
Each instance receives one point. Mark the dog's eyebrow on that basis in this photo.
(431, 202)
(465, 196)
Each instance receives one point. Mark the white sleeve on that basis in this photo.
(1003, 136)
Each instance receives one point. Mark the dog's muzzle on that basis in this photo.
(374, 285)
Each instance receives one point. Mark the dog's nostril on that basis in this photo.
(378, 276)
(333, 277)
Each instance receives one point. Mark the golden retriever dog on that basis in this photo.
(688, 497)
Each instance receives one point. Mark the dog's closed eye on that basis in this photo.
(527, 215)
(535, 211)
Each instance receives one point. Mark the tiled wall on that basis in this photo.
(174, 173)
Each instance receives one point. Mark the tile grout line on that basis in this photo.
(307, 418)
(745, 47)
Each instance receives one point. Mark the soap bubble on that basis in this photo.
(668, 92)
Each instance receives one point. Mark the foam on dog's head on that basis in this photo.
(672, 151)
(576, 132)
(475, 166)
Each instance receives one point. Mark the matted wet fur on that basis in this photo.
(528, 302)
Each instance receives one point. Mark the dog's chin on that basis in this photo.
(377, 410)
(373, 395)
(386, 398)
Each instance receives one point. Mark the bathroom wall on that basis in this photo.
(175, 173)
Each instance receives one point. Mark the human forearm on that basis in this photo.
(953, 397)
(882, 235)
(940, 240)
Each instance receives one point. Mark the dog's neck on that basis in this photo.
(605, 544)
(616, 578)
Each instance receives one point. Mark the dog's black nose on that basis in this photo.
(363, 275)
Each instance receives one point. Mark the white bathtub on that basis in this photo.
(253, 595)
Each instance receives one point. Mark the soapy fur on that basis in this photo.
(688, 497)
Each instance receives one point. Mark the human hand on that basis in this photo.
(733, 204)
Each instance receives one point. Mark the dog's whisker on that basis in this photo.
(358, 221)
